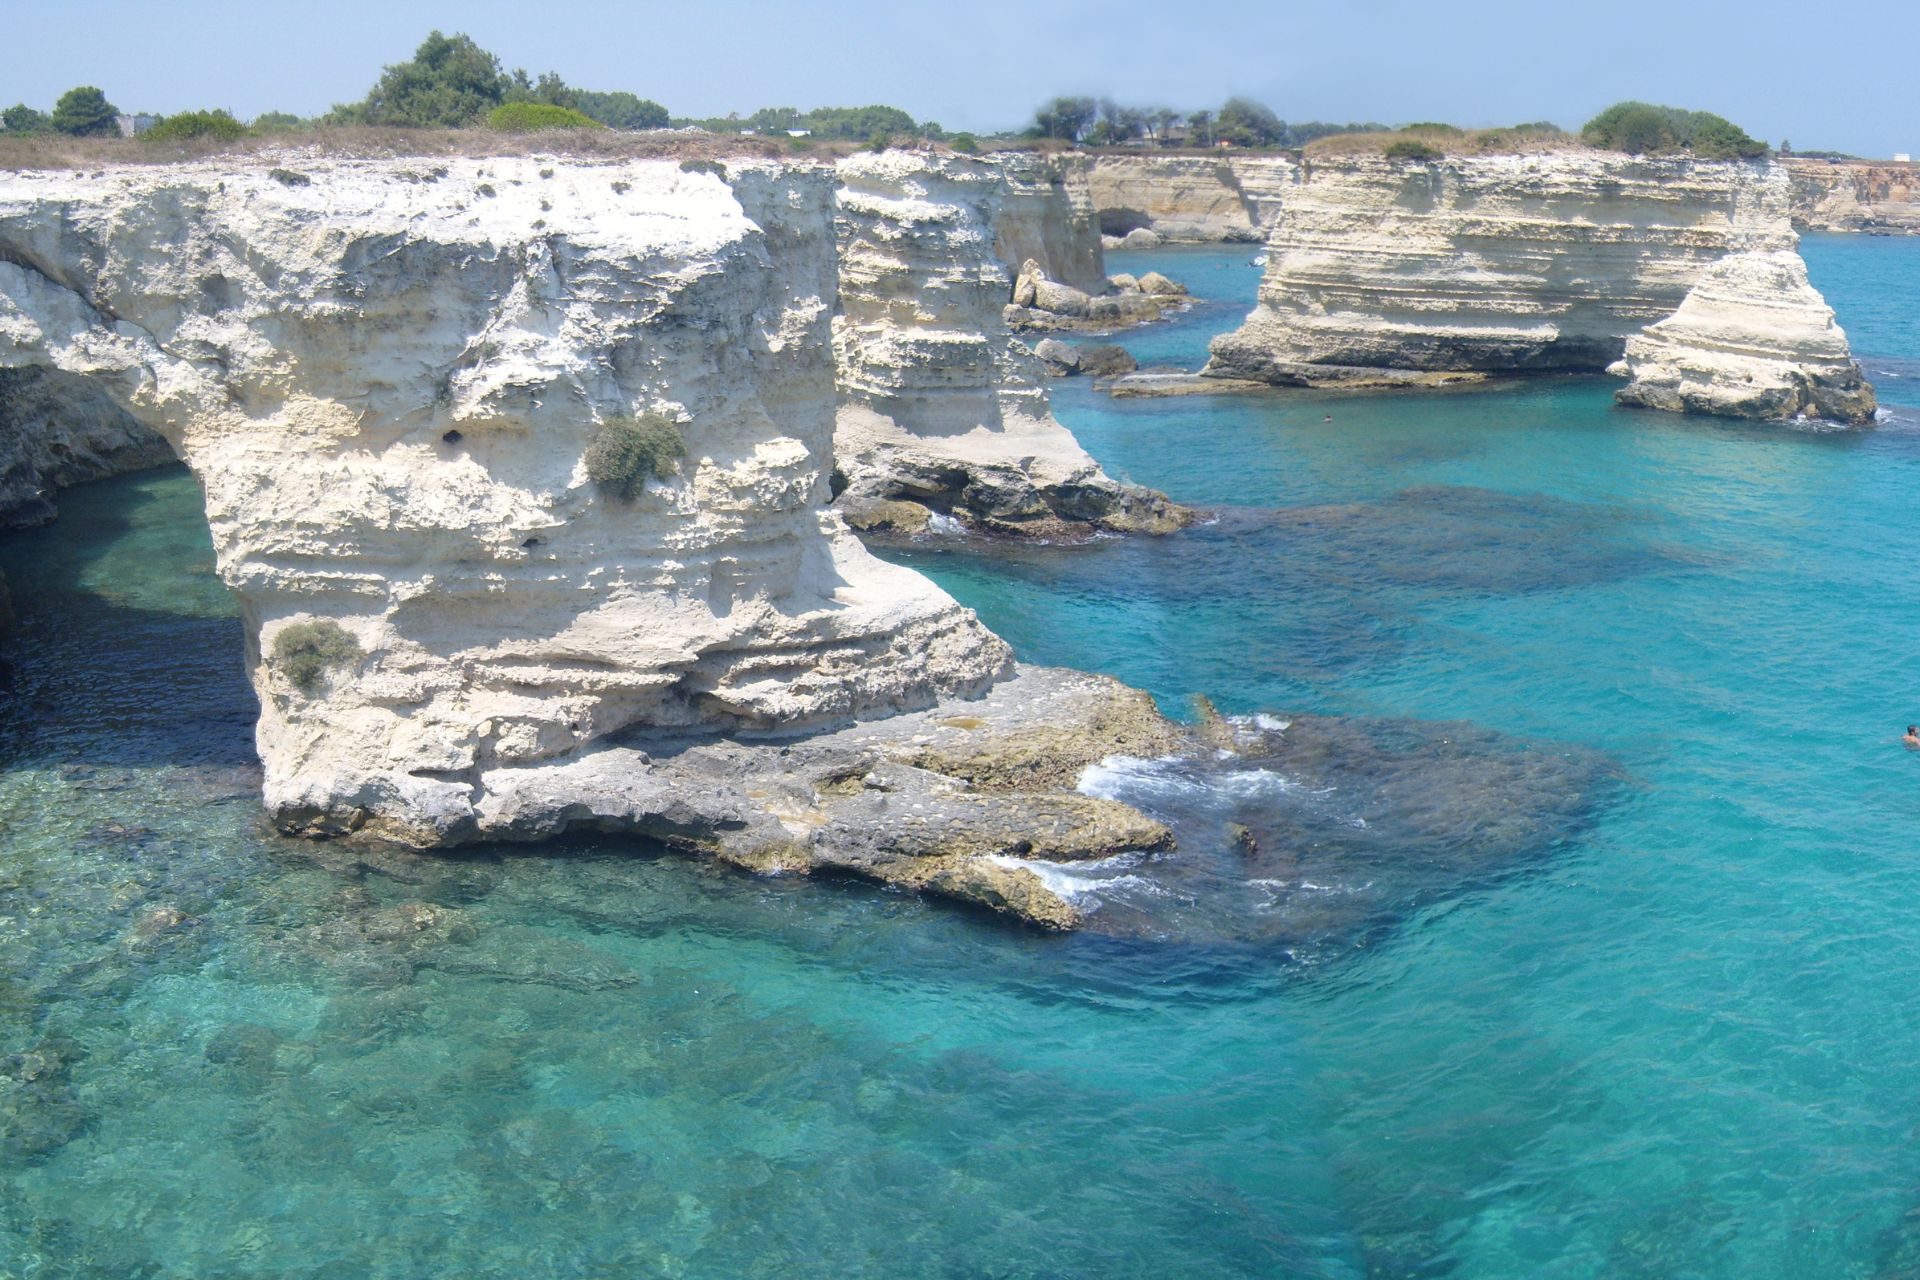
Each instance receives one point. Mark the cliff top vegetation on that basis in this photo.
(366, 142)
(1239, 122)
(1428, 140)
(1641, 128)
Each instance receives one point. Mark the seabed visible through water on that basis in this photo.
(1577, 939)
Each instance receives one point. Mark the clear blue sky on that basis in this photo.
(1830, 74)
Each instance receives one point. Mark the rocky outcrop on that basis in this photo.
(1046, 216)
(1855, 195)
(1044, 305)
(58, 430)
(1204, 198)
(1096, 360)
(1186, 198)
(467, 617)
(1753, 339)
(940, 407)
(1382, 272)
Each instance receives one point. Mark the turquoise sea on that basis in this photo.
(1583, 938)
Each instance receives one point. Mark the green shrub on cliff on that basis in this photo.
(1641, 128)
(187, 125)
(627, 452)
(306, 651)
(536, 117)
(1412, 149)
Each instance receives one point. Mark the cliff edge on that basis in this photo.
(518, 470)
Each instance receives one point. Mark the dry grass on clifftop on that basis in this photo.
(1524, 139)
(58, 151)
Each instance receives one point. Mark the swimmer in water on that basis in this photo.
(1328, 418)
(1913, 736)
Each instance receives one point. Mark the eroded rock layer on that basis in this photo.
(1190, 197)
(1046, 215)
(1858, 196)
(1753, 339)
(1383, 271)
(942, 411)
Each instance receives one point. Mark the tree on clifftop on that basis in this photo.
(620, 109)
(24, 119)
(85, 113)
(1247, 123)
(1065, 118)
(450, 82)
(453, 83)
(1641, 128)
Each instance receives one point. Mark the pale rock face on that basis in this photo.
(1190, 198)
(1382, 272)
(1879, 199)
(1266, 183)
(1046, 215)
(386, 380)
(939, 405)
(1752, 339)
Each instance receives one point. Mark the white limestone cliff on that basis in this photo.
(1872, 197)
(942, 410)
(387, 375)
(1383, 272)
(1752, 339)
(1191, 197)
(1046, 215)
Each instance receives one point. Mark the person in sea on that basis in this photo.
(1913, 736)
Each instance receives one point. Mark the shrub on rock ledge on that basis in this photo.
(306, 651)
(536, 117)
(1412, 149)
(628, 452)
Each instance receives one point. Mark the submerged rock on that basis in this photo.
(39, 1110)
(1312, 835)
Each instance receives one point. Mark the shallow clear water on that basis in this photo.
(1674, 1035)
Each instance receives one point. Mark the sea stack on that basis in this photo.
(1753, 339)
(1389, 272)
(518, 470)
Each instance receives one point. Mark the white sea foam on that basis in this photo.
(945, 525)
(1084, 882)
(1166, 781)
